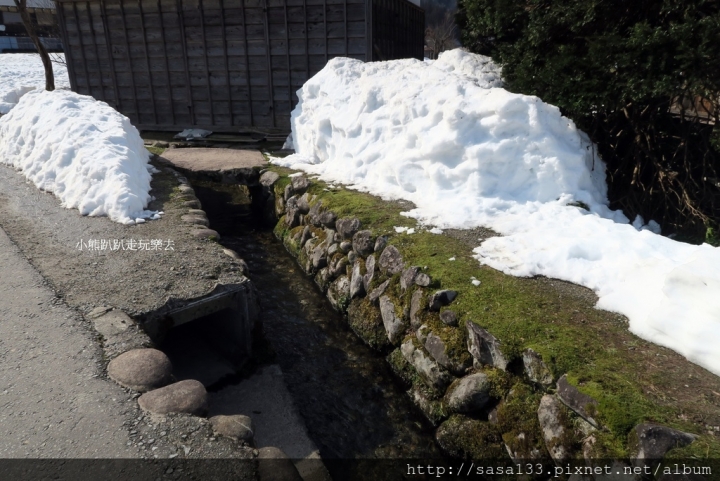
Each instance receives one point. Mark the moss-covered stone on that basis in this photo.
(401, 368)
(517, 421)
(365, 320)
(466, 438)
(451, 342)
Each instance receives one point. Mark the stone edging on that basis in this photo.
(455, 371)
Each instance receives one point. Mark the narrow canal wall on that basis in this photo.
(481, 404)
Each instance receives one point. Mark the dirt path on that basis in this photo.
(53, 402)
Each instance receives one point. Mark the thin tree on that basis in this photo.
(442, 36)
(44, 56)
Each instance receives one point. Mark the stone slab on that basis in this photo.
(214, 159)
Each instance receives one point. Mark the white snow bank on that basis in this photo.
(23, 72)
(82, 150)
(443, 135)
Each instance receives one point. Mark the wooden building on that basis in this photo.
(223, 65)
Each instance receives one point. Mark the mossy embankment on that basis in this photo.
(632, 380)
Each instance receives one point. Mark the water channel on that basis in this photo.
(351, 403)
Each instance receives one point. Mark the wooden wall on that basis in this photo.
(222, 65)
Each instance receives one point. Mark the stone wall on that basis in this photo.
(480, 405)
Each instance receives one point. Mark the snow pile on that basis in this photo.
(83, 151)
(443, 135)
(23, 72)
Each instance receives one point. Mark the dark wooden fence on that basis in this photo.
(222, 64)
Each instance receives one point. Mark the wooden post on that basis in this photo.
(167, 62)
(130, 63)
(147, 61)
(269, 63)
(183, 42)
(247, 63)
(82, 48)
(207, 65)
(111, 57)
(66, 44)
(287, 56)
(97, 52)
(225, 57)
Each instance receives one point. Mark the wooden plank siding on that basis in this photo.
(223, 65)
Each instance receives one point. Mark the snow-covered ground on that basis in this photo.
(445, 136)
(82, 150)
(22, 72)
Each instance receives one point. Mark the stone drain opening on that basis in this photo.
(209, 349)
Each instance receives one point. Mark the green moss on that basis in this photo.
(366, 322)
(454, 338)
(518, 421)
(471, 439)
(400, 367)
(500, 382)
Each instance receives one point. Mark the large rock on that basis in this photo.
(380, 243)
(390, 261)
(338, 267)
(357, 287)
(318, 256)
(195, 219)
(305, 236)
(141, 369)
(187, 397)
(431, 372)
(269, 178)
(234, 426)
(369, 272)
(378, 291)
(470, 439)
(206, 234)
(536, 370)
(275, 465)
(395, 325)
(363, 243)
(347, 227)
(469, 393)
(416, 303)
(339, 293)
(299, 184)
(292, 212)
(441, 298)
(449, 318)
(581, 403)
(434, 411)
(484, 347)
(303, 203)
(654, 440)
(554, 429)
(422, 279)
(407, 278)
(438, 349)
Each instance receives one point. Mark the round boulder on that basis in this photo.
(188, 397)
(275, 465)
(235, 426)
(206, 234)
(141, 369)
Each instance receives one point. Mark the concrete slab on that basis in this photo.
(213, 159)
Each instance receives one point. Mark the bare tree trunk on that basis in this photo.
(44, 56)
